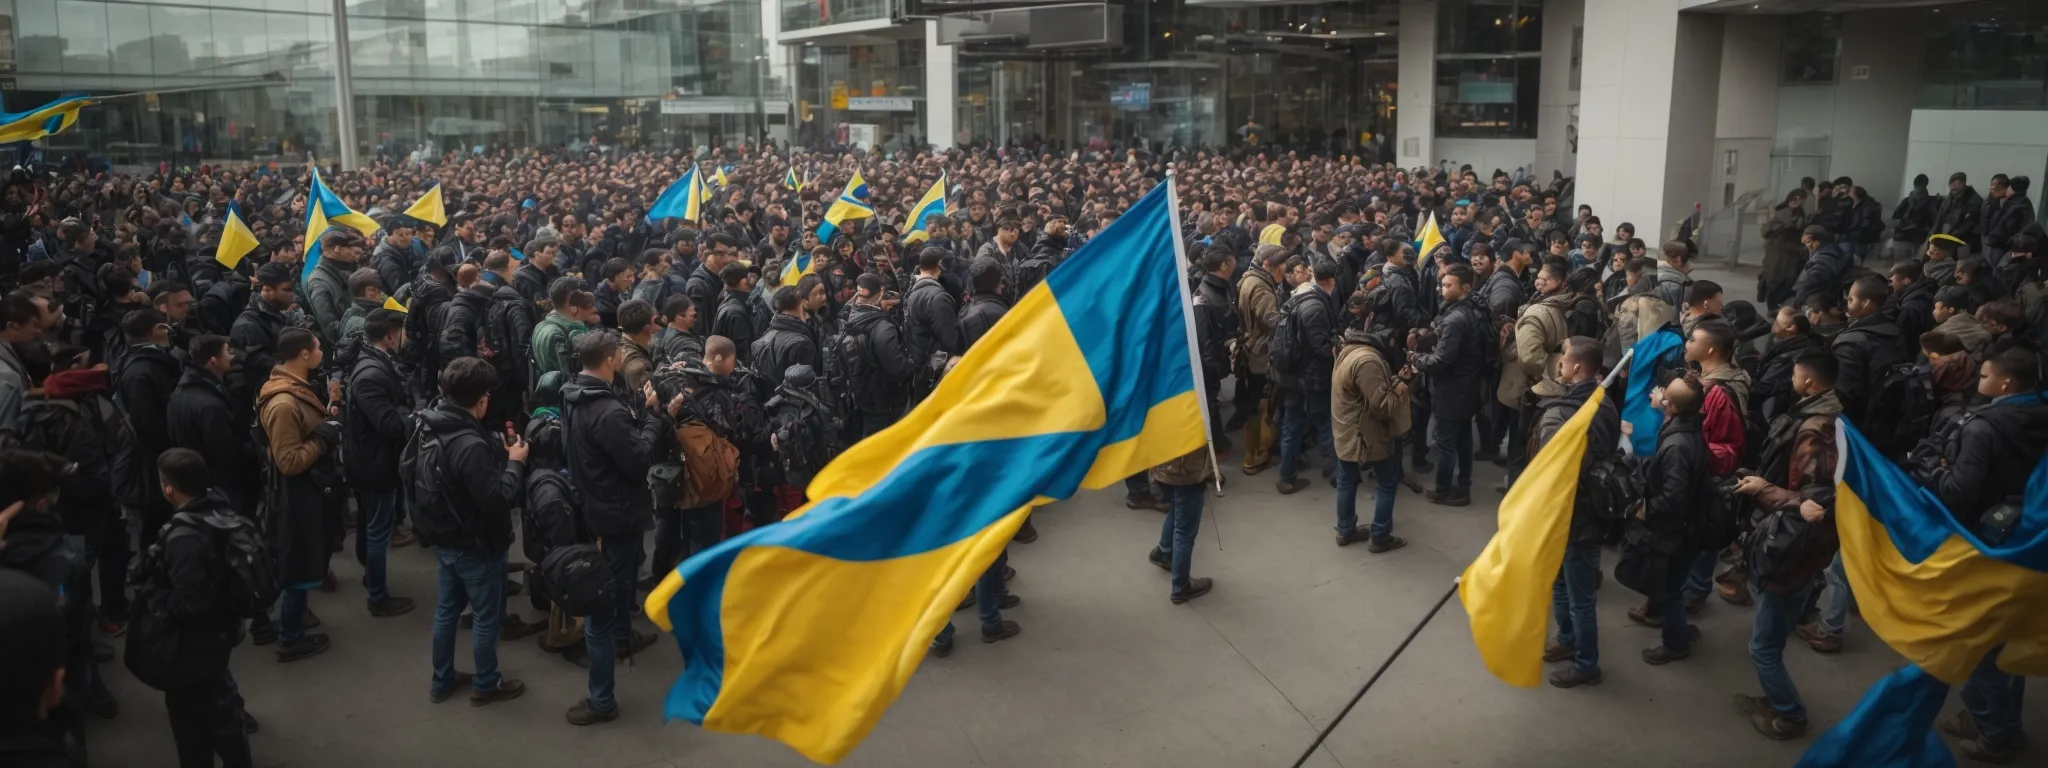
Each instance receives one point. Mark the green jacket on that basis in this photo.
(552, 338)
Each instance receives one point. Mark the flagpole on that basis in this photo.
(1187, 313)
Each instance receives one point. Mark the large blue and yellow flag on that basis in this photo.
(682, 200)
(1937, 594)
(1427, 238)
(236, 241)
(851, 204)
(933, 204)
(325, 209)
(806, 630)
(46, 120)
(429, 208)
(1643, 417)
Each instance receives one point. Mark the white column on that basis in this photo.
(1879, 82)
(1646, 111)
(1746, 117)
(1415, 104)
(941, 90)
(344, 90)
(1557, 100)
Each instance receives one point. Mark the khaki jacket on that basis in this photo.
(637, 367)
(1531, 363)
(1258, 309)
(1367, 413)
(1192, 468)
(290, 412)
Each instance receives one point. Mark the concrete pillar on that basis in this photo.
(1746, 116)
(1649, 81)
(941, 88)
(344, 90)
(1878, 80)
(1415, 104)
(1557, 100)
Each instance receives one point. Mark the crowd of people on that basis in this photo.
(186, 443)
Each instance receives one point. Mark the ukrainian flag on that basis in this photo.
(1643, 417)
(719, 176)
(933, 204)
(46, 120)
(1427, 238)
(852, 204)
(790, 182)
(236, 241)
(325, 209)
(1935, 593)
(806, 630)
(429, 208)
(682, 200)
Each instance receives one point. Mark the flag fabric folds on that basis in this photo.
(682, 200)
(1637, 411)
(933, 204)
(1937, 594)
(719, 177)
(1427, 238)
(1506, 592)
(393, 305)
(806, 630)
(790, 182)
(236, 241)
(429, 208)
(325, 209)
(46, 120)
(852, 204)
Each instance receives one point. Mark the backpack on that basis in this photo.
(1719, 519)
(1029, 273)
(802, 440)
(1490, 337)
(1906, 399)
(579, 580)
(422, 477)
(158, 651)
(62, 427)
(551, 519)
(846, 365)
(499, 332)
(1287, 352)
(1611, 488)
(712, 465)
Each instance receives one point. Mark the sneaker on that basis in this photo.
(1962, 725)
(507, 690)
(1448, 498)
(1661, 655)
(262, 634)
(1026, 533)
(582, 714)
(514, 628)
(1009, 601)
(304, 648)
(1253, 469)
(942, 650)
(1573, 677)
(113, 628)
(1289, 487)
(1196, 588)
(401, 537)
(965, 602)
(1820, 640)
(1975, 749)
(1755, 705)
(1009, 572)
(1696, 606)
(1778, 728)
(1387, 544)
(1355, 536)
(1555, 652)
(1641, 615)
(461, 679)
(1147, 501)
(1004, 631)
(392, 606)
(1413, 485)
(1161, 559)
(1735, 594)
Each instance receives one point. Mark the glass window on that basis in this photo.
(1578, 54)
(84, 29)
(1986, 56)
(1489, 26)
(1489, 60)
(39, 45)
(180, 36)
(242, 44)
(128, 38)
(1813, 46)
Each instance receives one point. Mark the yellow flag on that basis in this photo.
(1506, 591)
(428, 208)
(393, 305)
(236, 241)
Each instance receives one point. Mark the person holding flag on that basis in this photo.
(851, 205)
(931, 206)
(236, 241)
(683, 199)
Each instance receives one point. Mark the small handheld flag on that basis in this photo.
(429, 208)
(682, 200)
(236, 241)
(852, 204)
(393, 305)
(933, 204)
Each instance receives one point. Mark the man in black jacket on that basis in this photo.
(533, 277)
(708, 281)
(1911, 303)
(610, 446)
(255, 332)
(483, 472)
(143, 386)
(374, 427)
(202, 417)
(677, 340)
(790, 340)
(462, 324)
(1960, 212)
(1401, 311)
(1305, 401)
(1675, 485)
(931, 315)
(2009, 214)
(206, 717)
(1456, 365)
(1867, 349)
(1827, 260)
(508, 326)
(988, 304)
(1574, 594)
(424, 316)
(1791, 336)
(735, 317)
(1215, 326)
(393, 255)
(882, 387)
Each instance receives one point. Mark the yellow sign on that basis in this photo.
(838, 94)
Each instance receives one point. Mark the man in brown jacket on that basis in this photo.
(1258, 309)
(1183, 481)
(1368, 417)
(1529, 369)
(303, 521)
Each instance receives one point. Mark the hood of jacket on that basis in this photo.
(584, 389)
(1575, 395)
(446, 418)
(860, 318)
(214, 505)
(561, 322)
(1375, 338)
(69, 384)
(282, 380)
(478, 298)
(1824, 403)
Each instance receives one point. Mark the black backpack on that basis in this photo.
(803, 438)
(86, 440)
(422, 471)
(501, 331)
(1287, 354)
(1611, 488)
(579, 580)
(1029, 273)
(1903, 407)
(159, 651)
(846, 364)
(1719, 519)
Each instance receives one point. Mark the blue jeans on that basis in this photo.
(1177, 531)
(1453, 453)
(1572, 602)
(604, 632)
(1776, 615)
(1304, 411)
(474, 580)
(379, 514)
(1993, 698)
(1672, 606)
(1834, 607)
(1699, 579)
(988, 598)
(1387, 473)
(291, 614)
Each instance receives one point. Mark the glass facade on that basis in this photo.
(1987, 56)
(879, 85)
(1488, 68)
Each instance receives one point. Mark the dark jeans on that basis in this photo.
(1304, 411)
(605, 632)
(1177, 531)
(1672, 605)
(988, 598)
(1993, 697)
(1138, 488)
(476, 580)
(1514, 426)
(1573, 600)
(1776, 614)
(1418, 438)
(206, 720)
(1453, 441)
(875, 421)
(291, 614)
(1699, 579)
(1386, 474)
(376, 516)
(680, 533)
